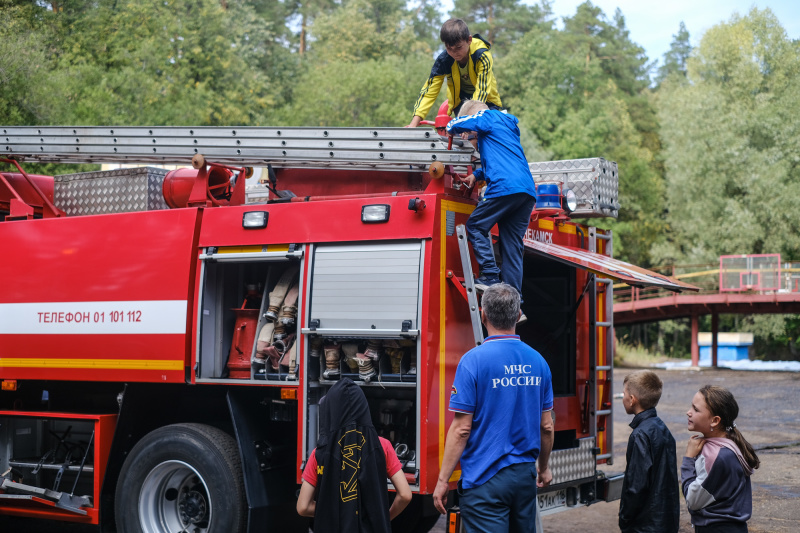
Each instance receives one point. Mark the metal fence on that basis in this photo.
(756, 272)
(762, 273)
(790, 277)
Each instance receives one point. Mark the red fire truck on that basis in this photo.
(166, 337)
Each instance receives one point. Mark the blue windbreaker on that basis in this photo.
(504, 167)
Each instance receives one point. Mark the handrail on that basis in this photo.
(790, 282)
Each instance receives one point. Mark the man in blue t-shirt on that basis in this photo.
(510, 193)
(502, 398)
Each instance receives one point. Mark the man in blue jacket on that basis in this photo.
(509, 197)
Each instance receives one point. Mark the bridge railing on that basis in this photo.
(707, 278)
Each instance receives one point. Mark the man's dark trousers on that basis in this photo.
(507, 502)
(511, 214)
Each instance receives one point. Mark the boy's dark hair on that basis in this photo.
(646, 386)
(453, 32)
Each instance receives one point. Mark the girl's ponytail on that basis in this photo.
(747, 450)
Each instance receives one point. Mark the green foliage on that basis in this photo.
(426, 19)
(776, 336)
(327, 96)
(364, 67)
(676, 58)
(161, 62)
(364, 30)
(583, 93)
(502, 22)
(731, 151)
(29, 93)
(635, 356)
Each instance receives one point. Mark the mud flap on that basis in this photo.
(268, 465)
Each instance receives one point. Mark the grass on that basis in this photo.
(636, 356)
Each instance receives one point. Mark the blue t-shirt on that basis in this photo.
(506, 385)
(504, 167)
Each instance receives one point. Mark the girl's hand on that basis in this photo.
(695, 446)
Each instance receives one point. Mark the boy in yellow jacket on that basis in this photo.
(467, 65)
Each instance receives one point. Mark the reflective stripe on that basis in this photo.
(94, 318)
(99, 364)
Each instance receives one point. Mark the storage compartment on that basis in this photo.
(53, 463)
(386, 370)
(594, 180)
(248, 321)
(48, 453)
(364, 309)
(111, 191)
(394, 416)
(366, 360)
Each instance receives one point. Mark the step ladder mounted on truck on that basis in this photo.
(166, 336)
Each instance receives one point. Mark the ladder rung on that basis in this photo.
(603, 368)
(469, 284)
(603, 456)
(603, 324)
(604, 412)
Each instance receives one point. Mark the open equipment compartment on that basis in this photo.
(56, 461)
(238, 303)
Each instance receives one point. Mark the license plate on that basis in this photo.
(552, 500)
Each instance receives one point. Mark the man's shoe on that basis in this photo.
(484, 282)
(522, 319)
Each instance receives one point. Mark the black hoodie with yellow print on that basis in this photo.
(481, 76)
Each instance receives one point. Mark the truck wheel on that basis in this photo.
(183, 477)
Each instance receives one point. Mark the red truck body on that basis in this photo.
(116, 329)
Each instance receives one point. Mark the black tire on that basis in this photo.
(183, 477)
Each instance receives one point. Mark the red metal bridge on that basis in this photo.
(742, 284)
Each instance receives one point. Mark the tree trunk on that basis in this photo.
(303, 23)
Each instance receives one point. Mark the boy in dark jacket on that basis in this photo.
(650, 501)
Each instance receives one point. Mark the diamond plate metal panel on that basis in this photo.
(574, 463)
(595, 182)
(111, 191)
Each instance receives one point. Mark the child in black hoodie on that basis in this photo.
(344, 481)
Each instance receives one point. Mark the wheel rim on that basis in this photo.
(174, 498)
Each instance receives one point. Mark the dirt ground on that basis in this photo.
(768, 417)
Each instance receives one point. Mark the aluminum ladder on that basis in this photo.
(392, 149)
(596, 410)
(469, 284)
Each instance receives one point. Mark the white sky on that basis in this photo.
(653, 23)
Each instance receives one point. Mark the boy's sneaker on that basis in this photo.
(484, 282)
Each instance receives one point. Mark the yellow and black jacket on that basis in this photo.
(480, 72)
